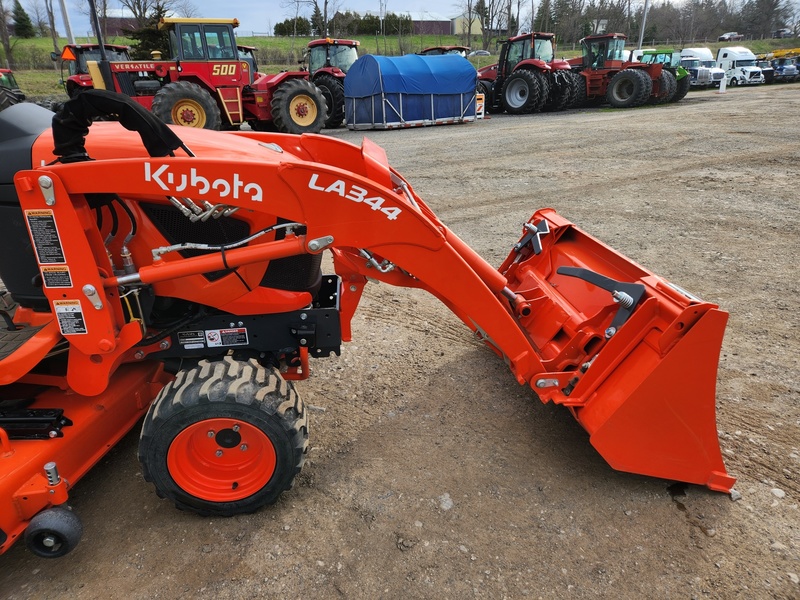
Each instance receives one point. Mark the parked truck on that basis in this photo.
(706, 60)
(739, 64)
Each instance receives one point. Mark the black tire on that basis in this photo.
(185, 103)
(53, 532)
(733, 82)
(627, 89)
(332, 90)
(7, 98)
(224, 438)
(521, 94)
(579, 97)
(489, 104)
(682, 89)
(298, 107)
(667, 86)
(561, 92)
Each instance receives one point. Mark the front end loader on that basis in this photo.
(175, 274)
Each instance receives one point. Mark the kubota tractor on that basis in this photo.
(206, 84)
(74, 59)
(527, 77)
(609, 76)
(328, 61)
(177, 275)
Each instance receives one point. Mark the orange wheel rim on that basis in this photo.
(221, 460)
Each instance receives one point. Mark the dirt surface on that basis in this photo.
(433, 474)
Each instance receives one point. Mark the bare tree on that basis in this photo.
(5, 37)
(468, 21)
(51, 20)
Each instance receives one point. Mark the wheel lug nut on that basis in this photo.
(218, 452)
(243, 447)
(211, 433)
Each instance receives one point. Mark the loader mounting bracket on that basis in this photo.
(627, 295)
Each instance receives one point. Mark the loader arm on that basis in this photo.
(633, 357)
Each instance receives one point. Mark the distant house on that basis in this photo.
(117, 20)
(428, 23)
(459, 25)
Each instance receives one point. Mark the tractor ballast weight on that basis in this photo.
(191, 271)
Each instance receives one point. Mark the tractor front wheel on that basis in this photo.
(187, 104)
(683, 86)
(224, 438)
(298, 107)
(333, 91)
(627, 89)
(7, 98)
(521, 94)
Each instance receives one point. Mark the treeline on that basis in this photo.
(571, 20)
(345, 24)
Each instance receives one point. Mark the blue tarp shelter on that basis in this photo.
(387, 92)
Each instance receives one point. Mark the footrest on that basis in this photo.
(11, 340)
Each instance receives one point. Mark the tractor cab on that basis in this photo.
(201, 39)
(603, 51)
(74, 59)
(529, 47)
(331, 54)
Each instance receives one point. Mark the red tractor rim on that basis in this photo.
(221, 460)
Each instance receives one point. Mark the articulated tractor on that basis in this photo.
(174, 275)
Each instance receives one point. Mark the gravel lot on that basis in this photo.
(433, 474)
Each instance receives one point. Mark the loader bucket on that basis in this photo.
(631, 355)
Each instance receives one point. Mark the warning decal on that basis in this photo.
(70, 316)
(216, 338)
(56, 277)
(42, 224)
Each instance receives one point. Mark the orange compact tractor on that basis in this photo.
(176, 275)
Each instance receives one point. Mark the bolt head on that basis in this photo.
(218, 453)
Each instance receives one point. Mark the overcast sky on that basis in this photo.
(260, 16)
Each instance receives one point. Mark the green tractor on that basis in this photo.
(674, 77)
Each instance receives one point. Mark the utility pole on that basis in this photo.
(67, 26)
(644, 21)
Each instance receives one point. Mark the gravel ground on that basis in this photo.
(432, 474)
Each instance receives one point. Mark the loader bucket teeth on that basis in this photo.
(632, 356)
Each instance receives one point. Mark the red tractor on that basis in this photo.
(608, 75)
(527, 78)
(74, 59)
(206, 83)
(328, 61)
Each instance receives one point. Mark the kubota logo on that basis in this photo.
(179, 182)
